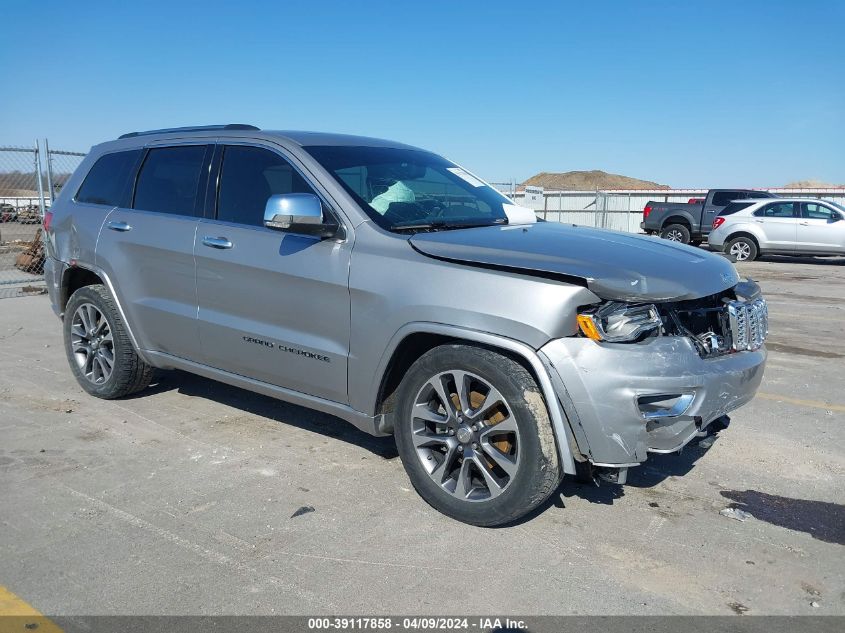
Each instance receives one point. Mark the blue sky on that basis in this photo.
(685, 93)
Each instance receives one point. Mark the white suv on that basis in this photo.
(797, 226)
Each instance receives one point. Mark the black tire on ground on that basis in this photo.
(128, 373)
(743, 248)
(537, 472)
(676, 233)
(695, 242)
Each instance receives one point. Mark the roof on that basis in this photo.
(302, 138)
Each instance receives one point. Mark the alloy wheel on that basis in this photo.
(675, 236)
(740, 250)
(465, 435)
(92, 343)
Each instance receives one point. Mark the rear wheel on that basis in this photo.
(98, 348)
(742, 248)
(474, 435)
(676, 233)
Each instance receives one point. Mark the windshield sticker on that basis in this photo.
(465, 175)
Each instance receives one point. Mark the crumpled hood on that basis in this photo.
(614, 265)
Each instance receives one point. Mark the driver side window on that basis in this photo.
(248, 177)
(815, 211)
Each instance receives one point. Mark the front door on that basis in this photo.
(273, 306)
(146, 248)
(821, 229)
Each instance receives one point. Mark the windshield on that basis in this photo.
(405, 189)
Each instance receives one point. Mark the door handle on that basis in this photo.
(217, 242)
(119, 226)
(759, 221)
(804, 223)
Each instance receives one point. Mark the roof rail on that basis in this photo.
(192, 128)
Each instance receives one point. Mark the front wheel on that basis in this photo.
(474, 435)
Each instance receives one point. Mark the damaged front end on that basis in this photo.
(733, 320)
(646, 378)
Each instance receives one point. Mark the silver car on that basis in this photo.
(394, 289)
(747, 229)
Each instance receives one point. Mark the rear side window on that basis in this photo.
(777, 210)
(169, 180)
(249, 176)
(108, 180)
(723, 198)
(733, 207)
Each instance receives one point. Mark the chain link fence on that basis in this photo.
(30, 178)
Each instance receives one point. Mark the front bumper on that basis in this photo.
(605, 390)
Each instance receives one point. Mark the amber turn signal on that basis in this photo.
(588, 327)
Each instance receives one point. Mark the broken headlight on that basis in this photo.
(616, 322)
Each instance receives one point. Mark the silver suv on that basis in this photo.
(746, 229)
(396, 290)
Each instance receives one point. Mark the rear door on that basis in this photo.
(821, 229)
(146, 247)
(779, 223)
(107, 185)
(273, 306)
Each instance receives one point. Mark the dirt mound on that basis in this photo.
(588, 181)
(810, 184)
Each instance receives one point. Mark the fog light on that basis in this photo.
(659, 406)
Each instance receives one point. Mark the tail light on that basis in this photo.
(48, 218)
(646, 211)
(719, 221)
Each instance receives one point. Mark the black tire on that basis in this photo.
(537, 471)
(676, 233)
(128, 372)
(743, 248)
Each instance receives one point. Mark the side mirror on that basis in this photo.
(298, 213)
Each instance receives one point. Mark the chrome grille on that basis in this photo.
(749, 324)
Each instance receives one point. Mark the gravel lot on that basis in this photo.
(198, 498)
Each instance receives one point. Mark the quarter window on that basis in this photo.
(777, 210)
(815, 211)
(733, 207)
(107, 181)
(249, 176)
(169, 181)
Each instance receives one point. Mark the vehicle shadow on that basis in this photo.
(821, 260)
(657, 469)
(822, 520)
(792, 259)
(271, 408)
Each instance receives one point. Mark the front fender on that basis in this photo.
(560, 425)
